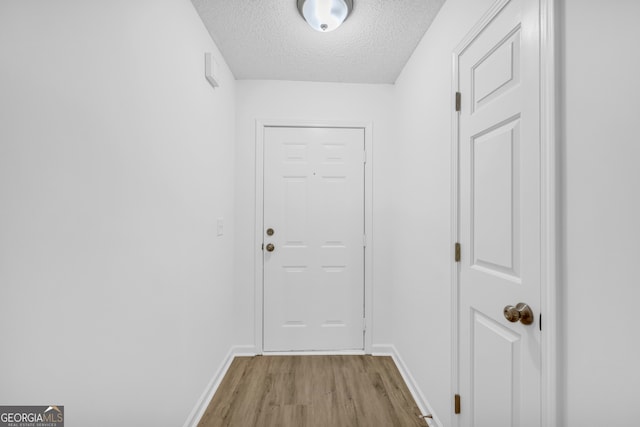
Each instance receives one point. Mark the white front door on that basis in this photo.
(499, 219)
(313, 233)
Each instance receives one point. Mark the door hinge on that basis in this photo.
(540, 321)
(456, 404)
(458, 101)
(364, 240)
(364, 160)
(364, 324)
(263, 246)
(457, 252)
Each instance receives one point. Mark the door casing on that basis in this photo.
(550, 215)
(259, 223)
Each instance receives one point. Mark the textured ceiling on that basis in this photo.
(268, 39)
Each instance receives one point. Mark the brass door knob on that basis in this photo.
(270, 231)
(521, 312)
(270, 247)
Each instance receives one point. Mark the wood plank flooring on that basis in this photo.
(312, 391)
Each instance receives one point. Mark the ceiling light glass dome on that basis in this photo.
(325, 15)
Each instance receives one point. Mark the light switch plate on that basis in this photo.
(220, 226)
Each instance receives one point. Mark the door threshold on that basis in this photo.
(314, 353)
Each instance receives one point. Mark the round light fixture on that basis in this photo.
(325, 15)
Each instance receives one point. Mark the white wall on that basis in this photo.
(601, 94)
(317, 102)
(114, 165)
(422, 205)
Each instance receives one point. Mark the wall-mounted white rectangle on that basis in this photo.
(211, 69)
(220, 227)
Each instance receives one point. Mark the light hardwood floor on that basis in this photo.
(312, 391)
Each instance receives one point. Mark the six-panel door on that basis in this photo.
(314, 203)
(499, 149)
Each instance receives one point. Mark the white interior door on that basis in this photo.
(499, 219)
(313, 256)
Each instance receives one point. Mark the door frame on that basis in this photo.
(550, 205)
(259, 224)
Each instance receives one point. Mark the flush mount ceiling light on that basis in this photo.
(325, 15)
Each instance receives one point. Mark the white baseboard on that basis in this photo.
(244, 350)
(383, 350)
(418, 396)
(207, 395)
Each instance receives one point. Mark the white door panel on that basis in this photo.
(314, 202)
(499, 220)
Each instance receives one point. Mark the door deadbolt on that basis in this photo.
(521, 312)
(270, 247)
(270, 231)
